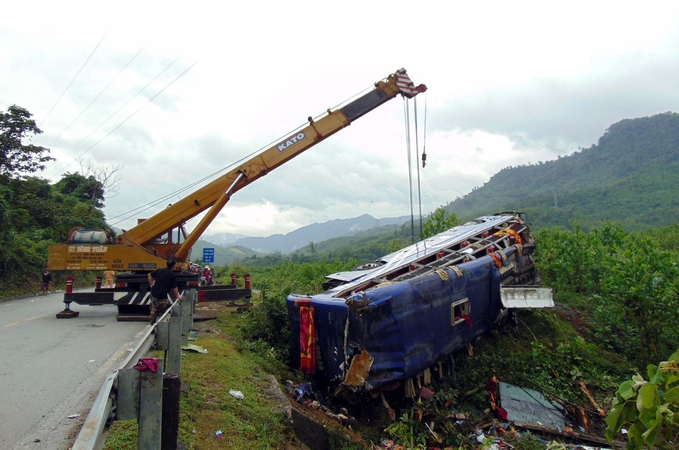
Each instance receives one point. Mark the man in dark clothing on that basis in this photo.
(165, 281)
(46, 280)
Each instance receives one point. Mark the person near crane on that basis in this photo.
(162, 281)
(109, 275)
(207, 275)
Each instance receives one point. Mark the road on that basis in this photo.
(51, 368)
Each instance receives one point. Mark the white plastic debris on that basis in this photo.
(237, 394)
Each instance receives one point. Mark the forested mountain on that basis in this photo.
(223, 255)
(629, 176)
(33, 212)
(316, 232)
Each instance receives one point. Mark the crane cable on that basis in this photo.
(417, 153)
(410, 170)
(424, 137)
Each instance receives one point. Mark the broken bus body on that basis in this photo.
(382, 324)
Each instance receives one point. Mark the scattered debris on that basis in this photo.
(425, 393)
(194, 348)
(236, 394)
(359, 369)
(583, 388)
(219, 434)
(528, 405)
(145, 364)
(74, 416)
(386, 444)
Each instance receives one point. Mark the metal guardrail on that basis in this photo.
(128, 393)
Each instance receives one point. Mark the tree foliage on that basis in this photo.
(86, 189)
(630, 286)
(438, 222)
(33, 212)
(17, 158)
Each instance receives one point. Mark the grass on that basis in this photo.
(255, 422)
(549, 354)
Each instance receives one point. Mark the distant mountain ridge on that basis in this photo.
(316, 232)
(630, 176)
(631, 161)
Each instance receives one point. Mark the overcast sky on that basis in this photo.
(171, 92)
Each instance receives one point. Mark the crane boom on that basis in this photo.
(148, 244)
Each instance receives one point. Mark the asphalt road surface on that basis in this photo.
(52, 368)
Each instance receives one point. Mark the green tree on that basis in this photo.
(16, 157)
(438, 222)
(87, 189)
(628, 285)
(640, 300)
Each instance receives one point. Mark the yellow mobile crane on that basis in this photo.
(152, 241)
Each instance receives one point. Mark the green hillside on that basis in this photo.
(223, 255)
(629, 176)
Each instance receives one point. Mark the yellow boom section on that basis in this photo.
(140, 248)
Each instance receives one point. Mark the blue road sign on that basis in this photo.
(208, 255)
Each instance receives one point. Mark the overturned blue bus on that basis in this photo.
(383, 324)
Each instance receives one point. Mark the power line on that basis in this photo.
(138, 109)
(95, 98)
(76, 76)
(131, 213)
(111, 116)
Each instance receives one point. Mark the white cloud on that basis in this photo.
(508, 83)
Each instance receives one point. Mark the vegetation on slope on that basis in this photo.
(617, 296)
(629, 176)
(33, 212)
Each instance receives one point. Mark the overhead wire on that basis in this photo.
(69, 84)
(129, 117)
(139, 109)
(96, 97)
(131, 213)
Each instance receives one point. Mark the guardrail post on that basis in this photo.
(150, 409)
(174, 350)
(127, 394)
(162, 335)
(187, 317)
(171, 396)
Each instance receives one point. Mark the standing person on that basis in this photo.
(207, 273)
(162, 281)
(109, 274)
(46, 280)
